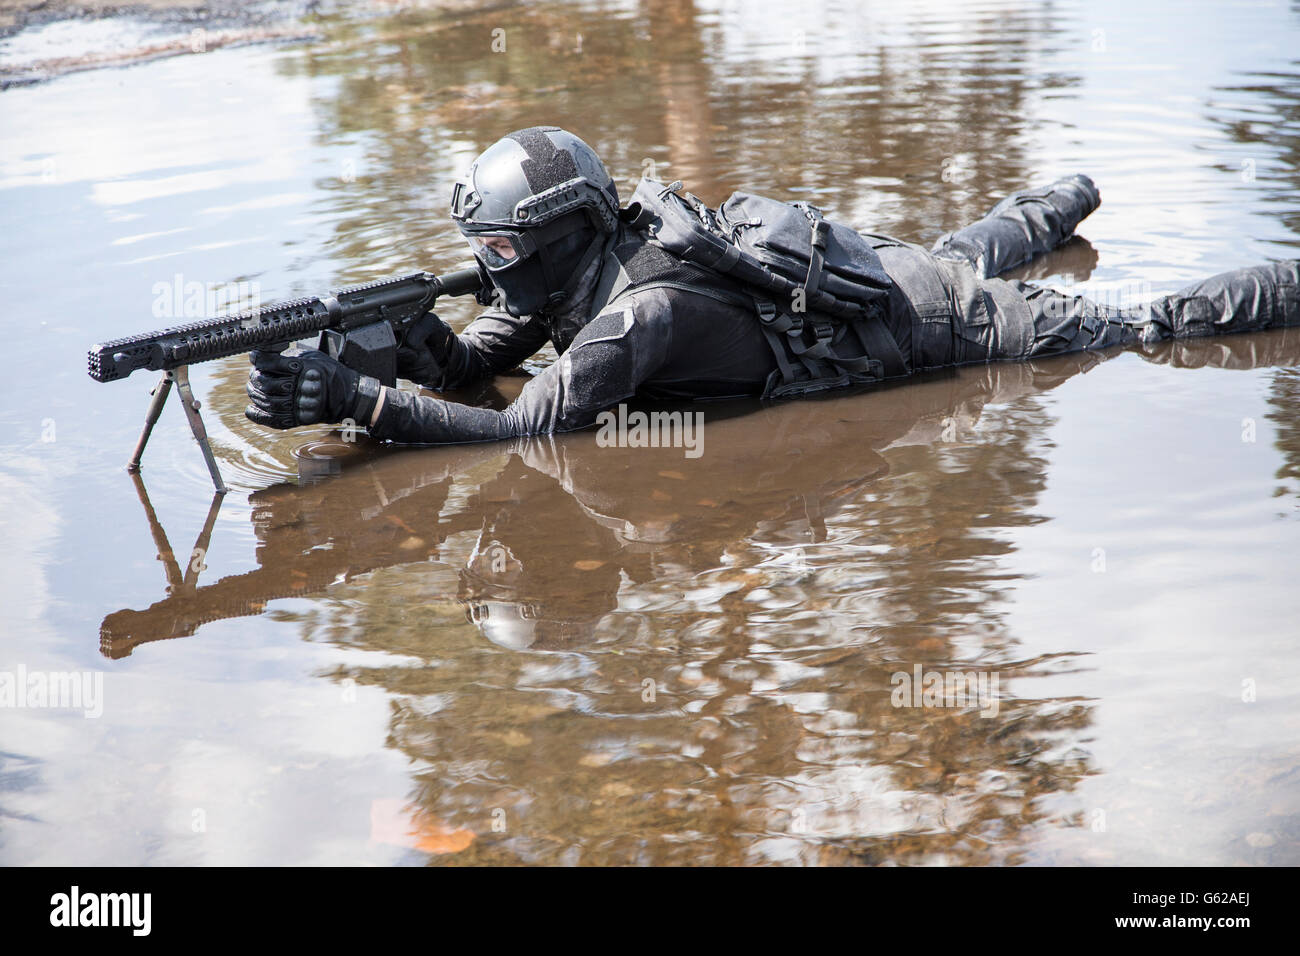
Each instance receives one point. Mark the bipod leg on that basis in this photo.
(191, 406)
(159, 393)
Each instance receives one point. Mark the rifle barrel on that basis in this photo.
(263, 327)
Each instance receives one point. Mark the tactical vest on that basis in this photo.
(817, 288)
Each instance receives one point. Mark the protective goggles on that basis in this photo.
(500, 250)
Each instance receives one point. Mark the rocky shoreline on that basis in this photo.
(42, 40)
(17, 15)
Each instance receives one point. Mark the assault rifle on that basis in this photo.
(362, 327)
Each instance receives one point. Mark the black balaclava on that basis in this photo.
(530, 287)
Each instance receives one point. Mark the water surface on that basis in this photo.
(553, 652)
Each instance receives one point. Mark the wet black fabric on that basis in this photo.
(946, 308)
(647, 262)
(1240, 301)
(657, 343)
(960, 313)
(1021, 227)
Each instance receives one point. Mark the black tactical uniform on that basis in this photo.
(629, 318)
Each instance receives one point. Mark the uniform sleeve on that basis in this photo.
(495, 342)
(608, 361)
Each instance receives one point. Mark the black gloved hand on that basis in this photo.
(307, 389)
(423, 355)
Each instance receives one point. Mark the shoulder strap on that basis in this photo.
(616, 281)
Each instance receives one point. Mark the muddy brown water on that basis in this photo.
(552, 651)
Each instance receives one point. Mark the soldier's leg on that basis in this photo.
(996, 320)
(947, 315)
(1244, 300)
(1021, 227)
(1071, 323)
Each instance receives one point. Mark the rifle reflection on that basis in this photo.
(182, 586)
(546, 529)
(301, 552)
(178, 582)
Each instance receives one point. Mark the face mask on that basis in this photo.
(523, 280)
(523, 287)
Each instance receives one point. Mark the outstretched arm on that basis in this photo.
(1022, 226)
(607, 362)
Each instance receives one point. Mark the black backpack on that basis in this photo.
(804, 272)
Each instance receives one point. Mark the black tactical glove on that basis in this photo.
(423, 355)
(307, 389)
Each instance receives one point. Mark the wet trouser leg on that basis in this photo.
(946, 309)
(955, 314)
(1062, 323)
(955, 318)
(1243, 300)
(1021, 227)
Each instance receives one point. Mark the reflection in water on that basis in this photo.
(719, 98)
(699, 652)
(1264, 114)
(1284, 399)
(571, 653)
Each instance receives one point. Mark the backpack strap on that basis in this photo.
(816, 247)
(785, 330)
(879, 343)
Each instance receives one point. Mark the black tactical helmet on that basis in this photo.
(536, 207)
